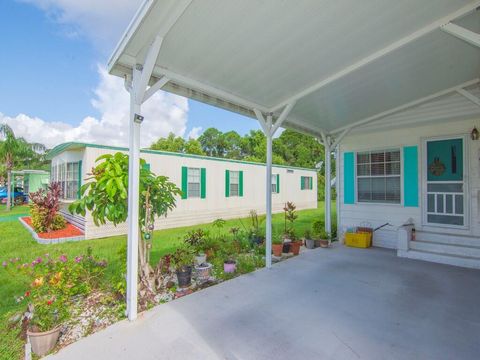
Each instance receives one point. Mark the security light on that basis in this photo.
(138, 118)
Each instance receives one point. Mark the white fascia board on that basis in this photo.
(378, 54)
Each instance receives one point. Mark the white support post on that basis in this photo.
(133, 199)
(269, 128)
(328, 194)
(268, 189)
(141, 76)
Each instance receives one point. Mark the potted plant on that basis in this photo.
(295, 243)
(229, 265)
(324, 239)
(202, 271)
(277, 245)
(309, 241)
(196, 240)
(183, 259)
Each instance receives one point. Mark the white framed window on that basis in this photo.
(275, 183)
(193, 183)
(234, 183)
(378, 176)
(67, 174)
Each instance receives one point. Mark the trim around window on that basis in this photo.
(378, 176)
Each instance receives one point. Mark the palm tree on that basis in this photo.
(13, 149)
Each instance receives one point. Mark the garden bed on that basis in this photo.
(69, 233)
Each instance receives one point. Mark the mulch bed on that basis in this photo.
(69, 231)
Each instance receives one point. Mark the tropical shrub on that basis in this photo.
(183, 257)
(44, 209)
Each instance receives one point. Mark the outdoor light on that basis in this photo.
(138, 118)
(474, 134)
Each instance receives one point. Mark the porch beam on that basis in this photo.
(282, 117)
(468, 95)
(461, 33)
(328, 196)
(380, 53)
(147, 69)
(406, 106)
(340, 137)
(155, 87)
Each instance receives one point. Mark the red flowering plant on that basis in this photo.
(53, 283)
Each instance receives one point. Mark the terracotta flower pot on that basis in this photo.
(277, 249)
(324, 243)
(295, 247)
(43, 342)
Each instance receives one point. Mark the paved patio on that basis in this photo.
(339, 303)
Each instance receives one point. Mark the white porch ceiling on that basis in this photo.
(342, 61)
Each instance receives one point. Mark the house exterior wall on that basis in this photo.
(192, 211)
(398, 214)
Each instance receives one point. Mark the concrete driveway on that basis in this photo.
(338, 303)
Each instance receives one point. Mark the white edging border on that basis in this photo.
(49, 241)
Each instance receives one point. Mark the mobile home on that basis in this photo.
(212, 187)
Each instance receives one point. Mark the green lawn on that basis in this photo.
(13, 214)
(15, 241)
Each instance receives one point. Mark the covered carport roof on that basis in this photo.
(338, 63)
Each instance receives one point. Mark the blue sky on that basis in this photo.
(52, 55)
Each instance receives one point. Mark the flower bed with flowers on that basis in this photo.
(60, 292)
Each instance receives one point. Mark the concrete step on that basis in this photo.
(447, 249)
(462, 261)
(449, 239)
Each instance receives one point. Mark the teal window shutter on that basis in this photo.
(184, 182)
(79, 178)
(301, 183)
(240, 183)
(278, 183)
(227, 183)
(203, 183)
(410, 176)
(348, 178)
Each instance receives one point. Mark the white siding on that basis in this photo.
(215, 205)
(378, 214)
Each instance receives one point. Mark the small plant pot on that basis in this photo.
(277, 249)
(310, 243)
(184, 276)
(43, 342)
(286, 247)
(324, 243)
(317, 243)
(203, 271)
(295, 247)
(229, 266)
(200, 259)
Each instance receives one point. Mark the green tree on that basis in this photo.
(16, 151)
(193, 146)
(105, 196)
(233, 145)
(171, 143)
(212, 141)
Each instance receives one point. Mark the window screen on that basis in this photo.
(274, 184)
(193, 182)
(378, 176)
(234, 183)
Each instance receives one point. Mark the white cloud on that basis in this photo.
(101, 20)
(194, 133)
(164, 113)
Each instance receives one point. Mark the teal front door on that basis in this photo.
(445, 183)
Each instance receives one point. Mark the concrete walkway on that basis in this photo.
(338, 303)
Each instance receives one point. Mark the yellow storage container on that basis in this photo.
(359, 239)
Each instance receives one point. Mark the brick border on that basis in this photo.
(49, 241)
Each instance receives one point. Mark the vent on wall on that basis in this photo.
(290, 171)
